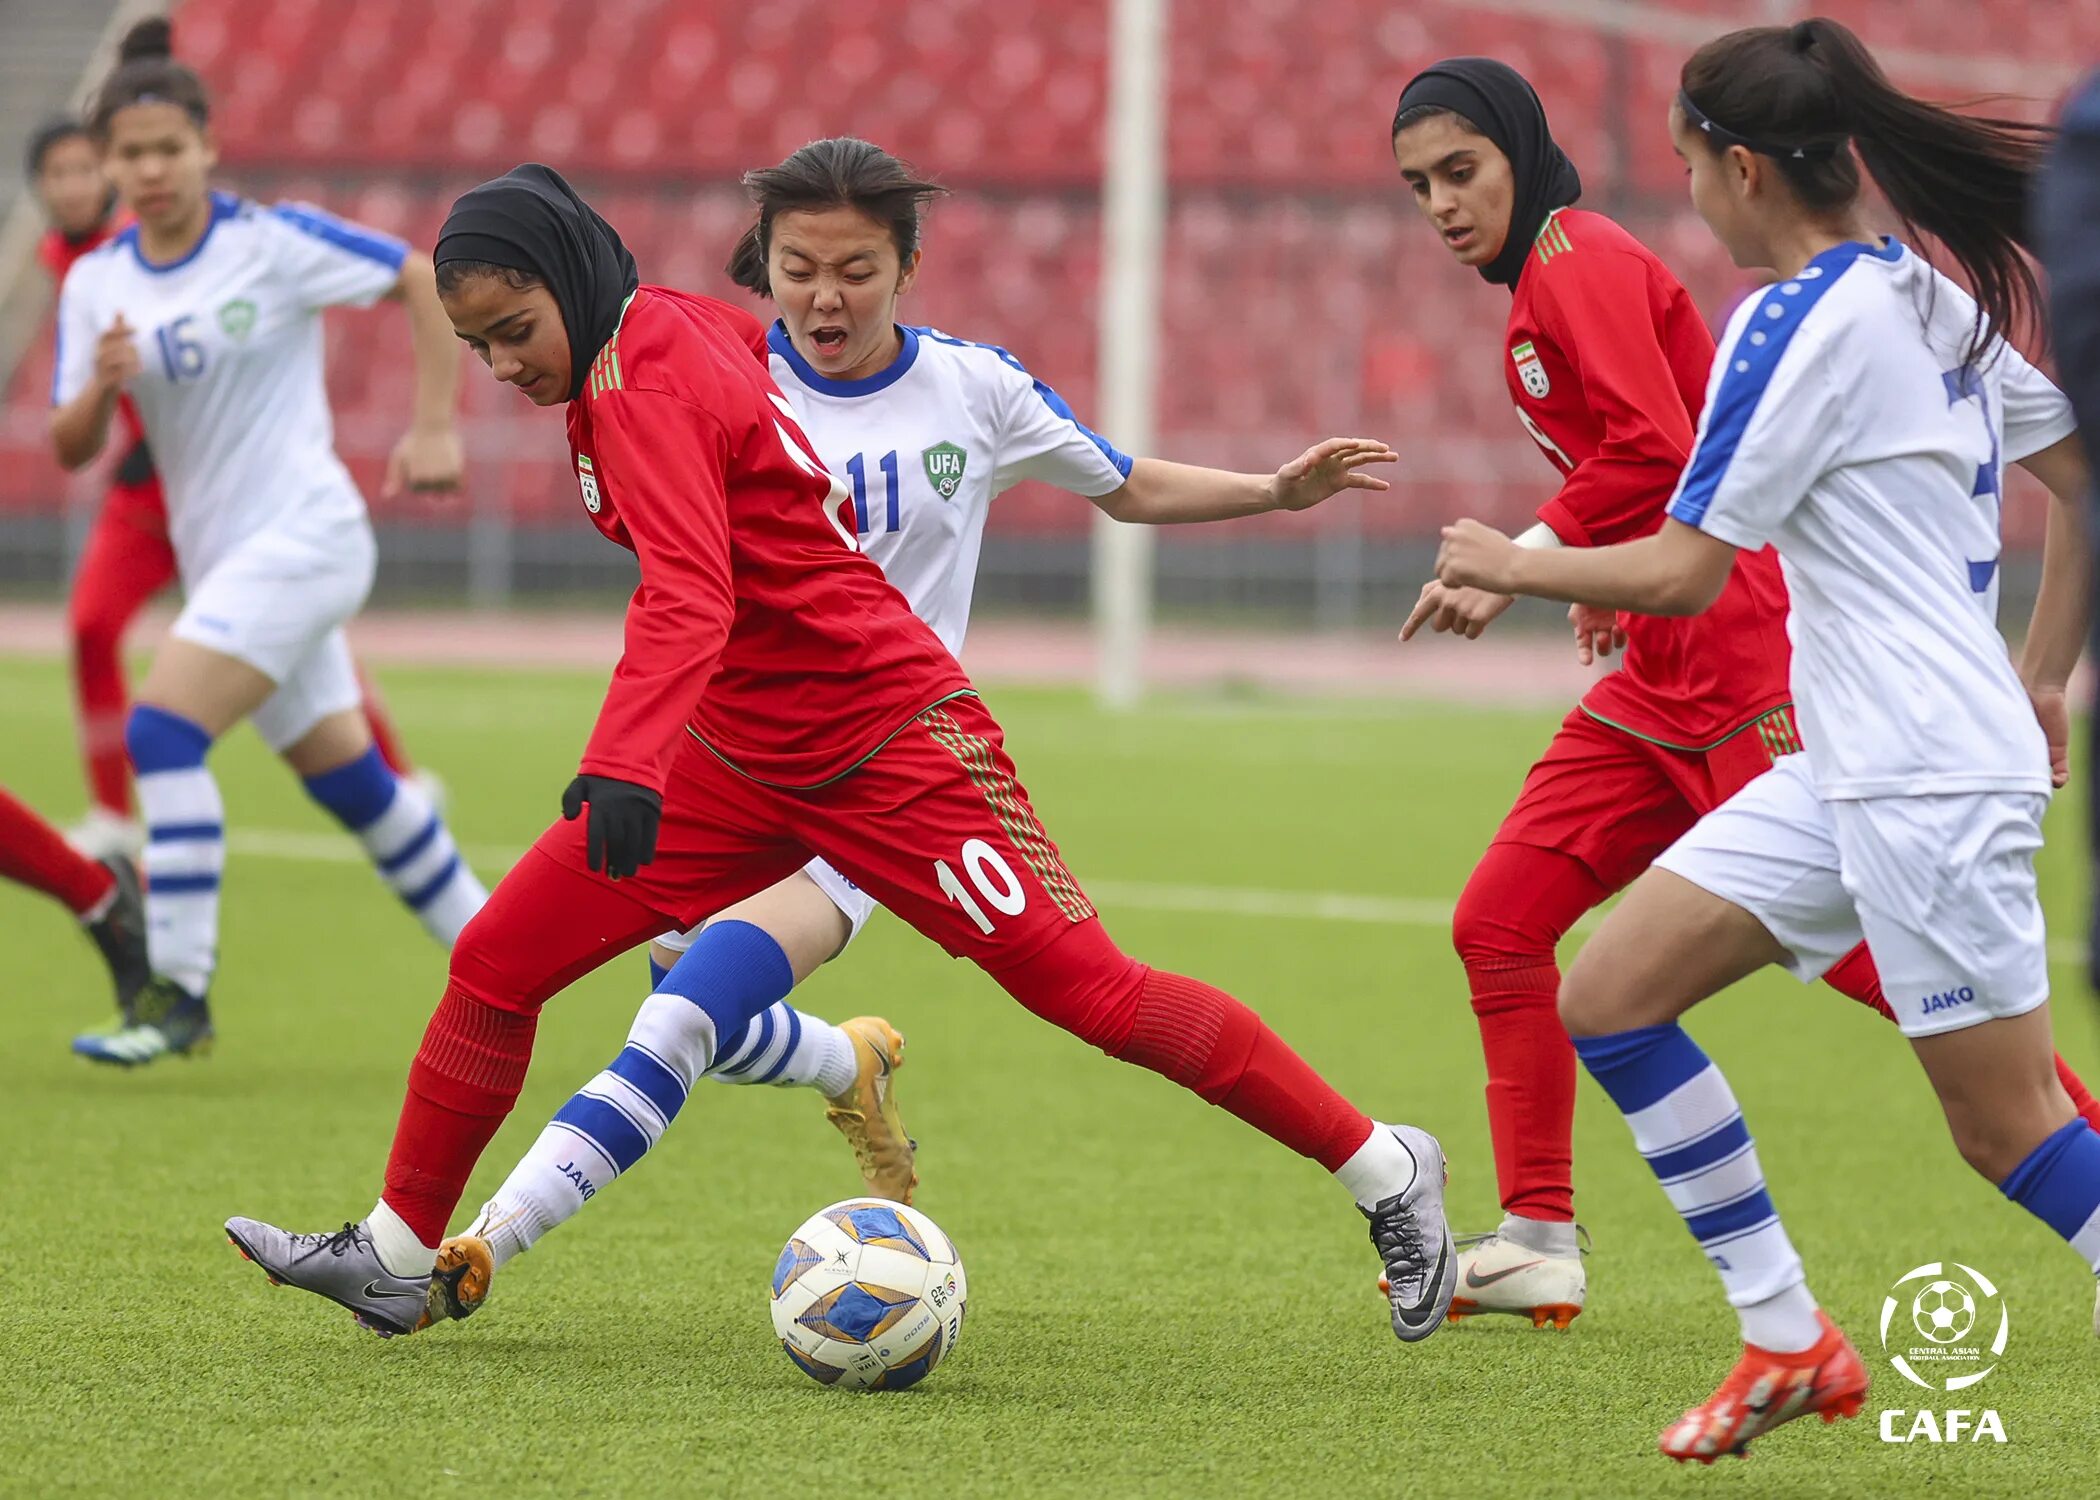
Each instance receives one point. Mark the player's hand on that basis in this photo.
(1327, 469)
(116, 357)
(424, 459)
(1464, 612)
(1475, 555)
(621, 835)
(2053, 712)
(1598, 632)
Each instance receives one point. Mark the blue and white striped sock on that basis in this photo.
(2059, 1184)
(407, 839)
(732, 971)
(1687, 1125)
(790, 1048)
(185, 844)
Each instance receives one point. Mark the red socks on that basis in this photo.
(35, 854)
(464, 1080)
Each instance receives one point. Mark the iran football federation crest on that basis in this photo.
(944, 468)
(588, 479)
(1530, 371)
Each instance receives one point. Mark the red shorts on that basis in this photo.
(1615, 801)
(933, 825)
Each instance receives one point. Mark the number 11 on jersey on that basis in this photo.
(857, 467)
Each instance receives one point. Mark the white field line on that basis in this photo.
(1134, 895)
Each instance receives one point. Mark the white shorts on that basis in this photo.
(1941, 888)
(278, 602)
(856, 904)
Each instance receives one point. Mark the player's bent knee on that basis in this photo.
(1082, 982)
(1586, 1002)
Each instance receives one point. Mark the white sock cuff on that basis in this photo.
(399, 1250)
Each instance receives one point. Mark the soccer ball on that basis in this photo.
(1944, 1311)
(869, 1295)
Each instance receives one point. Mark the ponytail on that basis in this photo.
(147, 73)
(1798, 93)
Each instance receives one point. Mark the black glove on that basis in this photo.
(622, 830)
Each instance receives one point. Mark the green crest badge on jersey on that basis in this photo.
(587, 477)
(944, 468)
(237, 318)
(1530, 370)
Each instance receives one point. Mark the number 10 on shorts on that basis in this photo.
(994, 879)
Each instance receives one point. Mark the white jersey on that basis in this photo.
(1845, 426)
(231, 389)
(925, 445)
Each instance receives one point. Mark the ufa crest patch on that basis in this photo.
(944, 468)
(1530, 371)
(587, 478)
(237, 318)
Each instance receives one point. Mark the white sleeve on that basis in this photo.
(331, 262)
(73, 362)
(2037, 414)
(1040, 438)
(1770, 428)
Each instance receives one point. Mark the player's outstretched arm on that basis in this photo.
(429, 456)
(1160, 493)
(2063, 606)
(1678, 571)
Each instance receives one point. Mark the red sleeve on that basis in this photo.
(662, 462)
(1605, 326)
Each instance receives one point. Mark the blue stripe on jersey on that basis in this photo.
(778, 341)
(1051, 399)
(223, 206)
(1752, 360)
(341, 233)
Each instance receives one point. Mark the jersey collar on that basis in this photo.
(223, 206)
(778, 341)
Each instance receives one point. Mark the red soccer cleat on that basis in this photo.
(1766, 1389)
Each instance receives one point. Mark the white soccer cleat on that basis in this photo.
(1497, 1275)
(102, 834)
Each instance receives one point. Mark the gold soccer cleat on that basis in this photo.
(866, 1114)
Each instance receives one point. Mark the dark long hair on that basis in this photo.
(1799, 93)
(838, 173)
(147, 73)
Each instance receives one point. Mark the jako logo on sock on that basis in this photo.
(1944, 1327)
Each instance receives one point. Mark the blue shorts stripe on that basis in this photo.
(794, 1039)
(608, 1128)
(180, 885)
(651, 1079)
(1717, 1145)
(399, 858)
(418, 899)
(184, 833)
(1731, 1218)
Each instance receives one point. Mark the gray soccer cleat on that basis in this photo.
(119, 935)
(1411, 1237)
(344, 1267)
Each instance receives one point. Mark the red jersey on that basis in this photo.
(1608, 362)
(758, 625)
(57, 252)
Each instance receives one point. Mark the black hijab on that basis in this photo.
(1506, 109)
(529, 219)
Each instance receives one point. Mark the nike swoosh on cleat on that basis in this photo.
(1475, 1279)
(374, 1289)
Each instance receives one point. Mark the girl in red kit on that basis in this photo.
(127, 558)
(1607, 360)
(776, 700)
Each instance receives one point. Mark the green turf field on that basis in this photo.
(1163, 1303)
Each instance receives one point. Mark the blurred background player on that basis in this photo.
(102, 894)
(1607, 360)
(127, 558)
(776, 699)
(206, 311)
(1860, 414)
(928, 430)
